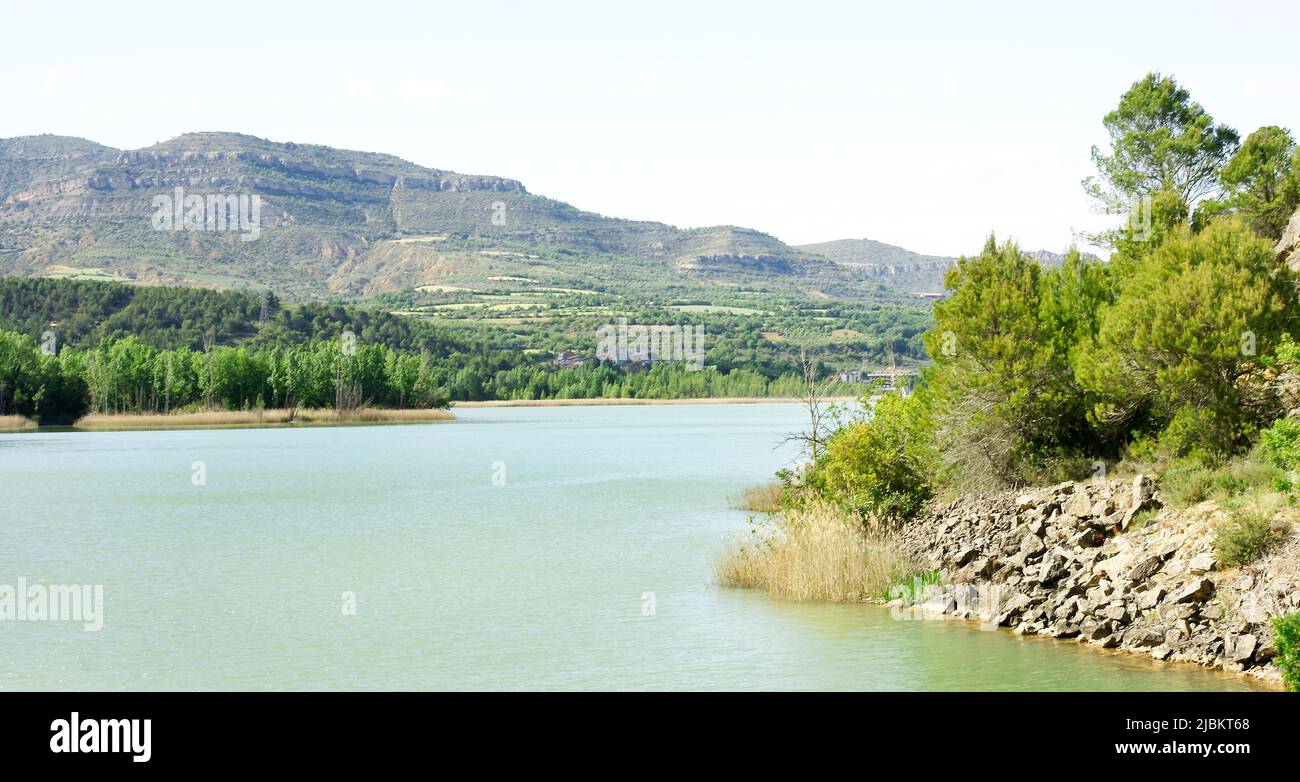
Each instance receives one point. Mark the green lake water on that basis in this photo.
(515, 548)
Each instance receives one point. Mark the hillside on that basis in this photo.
(897, 267)
(340, 223)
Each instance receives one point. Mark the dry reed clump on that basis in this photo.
(15, 423)
(760, 499)
(817, 552)
(259, 418)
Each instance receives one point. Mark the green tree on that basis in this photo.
(1263, 180)
(37, 385)
(1177, 350)
(1160, 141)
(1003, 383)
(883, 467)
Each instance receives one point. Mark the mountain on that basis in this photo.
(899, 268)
(337, 223)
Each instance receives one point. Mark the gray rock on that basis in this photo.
(1143, 637)
(1031, 545)
(1144, 568)
(1203, 563)
(1092, 630)
(1151, 598)
(1117, 612)
(1079, 506)
(1241, 649)
(1195, 591)
(1141, 491)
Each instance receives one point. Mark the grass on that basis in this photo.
(16, 423)
(914, 591)
(1186, 483)
(760, 499)
(1142, 518)
(259, 418)
(817, 552)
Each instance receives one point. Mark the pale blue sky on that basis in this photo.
(923, 124)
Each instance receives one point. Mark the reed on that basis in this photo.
(765, 498)
(817, 552)
(15, 423)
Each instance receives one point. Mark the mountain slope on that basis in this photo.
(344, 223)
(900, 268)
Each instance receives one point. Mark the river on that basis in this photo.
(514, 548)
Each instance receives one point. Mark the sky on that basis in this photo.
(921, 124)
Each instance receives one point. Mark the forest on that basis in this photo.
(73, 347)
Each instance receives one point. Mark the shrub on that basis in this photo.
(881, 468)
(1279, 444)
(1189, 481)
(1247, 533)
(1186, 482)
(1286, 637)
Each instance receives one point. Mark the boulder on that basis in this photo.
(1079, 506)
(1195, 591)
(1240, 649)
(1032, 545)
(1144, 568)
(1203, 563)
(1151, 598)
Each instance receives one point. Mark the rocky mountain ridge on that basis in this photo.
(340, 222)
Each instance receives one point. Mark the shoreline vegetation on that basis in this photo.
(215, 419)
(69, 347)
(16, 423)
(764, 498)
(816, 552)
(1175, 363)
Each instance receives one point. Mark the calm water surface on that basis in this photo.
(539, 583)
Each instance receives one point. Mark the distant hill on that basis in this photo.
(899, 268)
(340, 223)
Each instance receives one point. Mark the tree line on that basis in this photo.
(130, 376)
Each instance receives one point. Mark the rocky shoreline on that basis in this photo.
(1069, 561)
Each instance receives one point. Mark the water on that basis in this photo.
(540, 583)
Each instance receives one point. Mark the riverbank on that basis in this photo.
(258, 418)
(16, 423)
(600, 401)
(1106, 564)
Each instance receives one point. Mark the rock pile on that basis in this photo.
(1085, 561)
